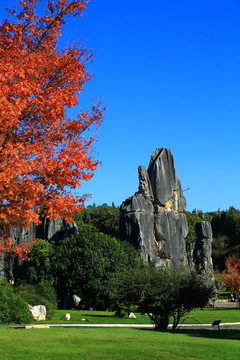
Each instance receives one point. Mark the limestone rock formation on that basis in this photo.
(203, 248)
(38, 312)
(153, 218)
(49, 230)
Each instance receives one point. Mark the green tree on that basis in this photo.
(40, 267)
(226, 236)
(87, 265)
(105, 218)
(192, 220)
(164, 292)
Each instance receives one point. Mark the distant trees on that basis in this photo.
(164, 292)
(192, 220)
(104, 218)
(226, 233)
(230, 277)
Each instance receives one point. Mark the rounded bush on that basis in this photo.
(13, 309)
(31, 295)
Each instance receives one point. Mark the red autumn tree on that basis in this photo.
(43, 152)
(231, 275)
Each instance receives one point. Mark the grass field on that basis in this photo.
(198, 316)
(130, 344)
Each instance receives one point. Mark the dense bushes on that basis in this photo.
(37, 295)
(85, 265)
(13, 309)
(14, 301)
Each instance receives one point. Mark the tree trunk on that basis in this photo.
(161, 323)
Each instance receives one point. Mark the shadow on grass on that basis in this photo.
(97, 316)
(210, 334)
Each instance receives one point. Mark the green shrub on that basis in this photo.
(32, 296)
(123, 310)
(13, 309)
(47, 291)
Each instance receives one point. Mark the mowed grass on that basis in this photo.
(198, 316)
(130, 344)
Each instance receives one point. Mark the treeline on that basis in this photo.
(90, 264)
(106, 273)
(226, 236)
(225, 226)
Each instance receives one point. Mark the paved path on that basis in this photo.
(225, 326)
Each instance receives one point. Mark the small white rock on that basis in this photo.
(132, 316)
(67, 316)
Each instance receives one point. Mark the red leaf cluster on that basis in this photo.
(231, 276)
(43, 152)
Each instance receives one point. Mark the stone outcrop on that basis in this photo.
(38, 312)
(51, 230)
(202, 258)
(153, 218)
(199, 251)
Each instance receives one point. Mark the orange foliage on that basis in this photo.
(22, 250)
(231, 276)
(43, 152)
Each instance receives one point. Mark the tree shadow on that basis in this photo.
(97, 316)
(210, 334)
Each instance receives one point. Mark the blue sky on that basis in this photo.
(169, 73)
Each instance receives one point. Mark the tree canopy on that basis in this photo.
(226, 236)
(104, 218)
(43, 151)
(164, 292)
(86, 265)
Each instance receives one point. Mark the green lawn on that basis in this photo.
(198, 316)
(130, 344)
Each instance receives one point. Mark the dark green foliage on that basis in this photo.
(88, 263)
(46, 290)
(40, 267)
(13, 309)
(104, 218)
(226, 236)
(84, 265)
(192, 220)
(163, 292)
(34, 295)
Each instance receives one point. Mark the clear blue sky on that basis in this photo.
(169, 72)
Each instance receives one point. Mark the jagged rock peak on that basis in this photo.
(145, 187)
(153, 218)
(160, 184)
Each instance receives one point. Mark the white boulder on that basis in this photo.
(39, 312)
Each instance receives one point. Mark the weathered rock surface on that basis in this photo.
(202, 258)
(49, 230)
(153, 218)
(38, 312)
